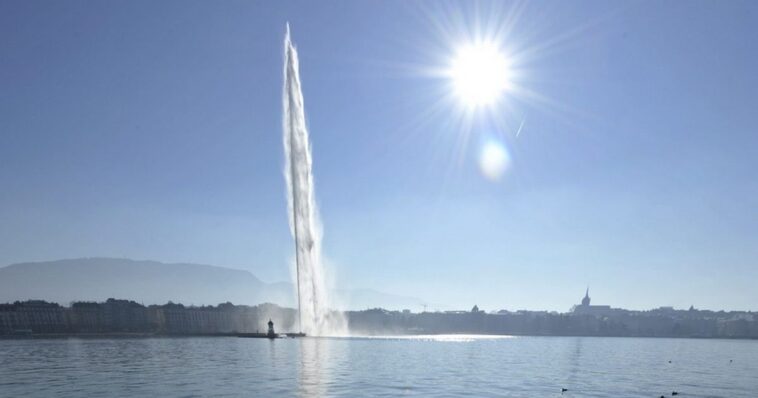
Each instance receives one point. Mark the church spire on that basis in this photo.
(586, 299)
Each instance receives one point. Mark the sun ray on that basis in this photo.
(462, 50)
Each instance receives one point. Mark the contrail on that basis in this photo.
(520, 127)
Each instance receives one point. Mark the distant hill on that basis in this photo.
(152, 282)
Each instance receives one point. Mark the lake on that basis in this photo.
(451, 365)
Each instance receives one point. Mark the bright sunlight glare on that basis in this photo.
(480, 74)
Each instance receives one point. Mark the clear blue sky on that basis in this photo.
(152, 130)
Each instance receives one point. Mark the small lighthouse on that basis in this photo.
(271, 333)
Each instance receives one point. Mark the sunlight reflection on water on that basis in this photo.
(455, 338)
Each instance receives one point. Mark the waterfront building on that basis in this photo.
(32, 316)
(585, 308)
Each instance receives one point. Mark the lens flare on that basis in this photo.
(493, 160)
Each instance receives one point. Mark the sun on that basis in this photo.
(480, 74)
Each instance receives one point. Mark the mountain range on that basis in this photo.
(152, 282)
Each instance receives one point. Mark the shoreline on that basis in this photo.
(136, 335)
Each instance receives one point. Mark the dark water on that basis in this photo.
(431, 366)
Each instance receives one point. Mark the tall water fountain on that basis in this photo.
(312, 295)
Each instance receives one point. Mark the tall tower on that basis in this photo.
(586, 299)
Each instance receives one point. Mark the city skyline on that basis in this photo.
(38, 317)
(154, 132)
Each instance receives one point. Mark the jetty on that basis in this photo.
(271, 333)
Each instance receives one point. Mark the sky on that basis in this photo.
(152, 130)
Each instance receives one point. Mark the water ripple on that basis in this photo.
(371, 366)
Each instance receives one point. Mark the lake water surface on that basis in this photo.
(422, 366)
